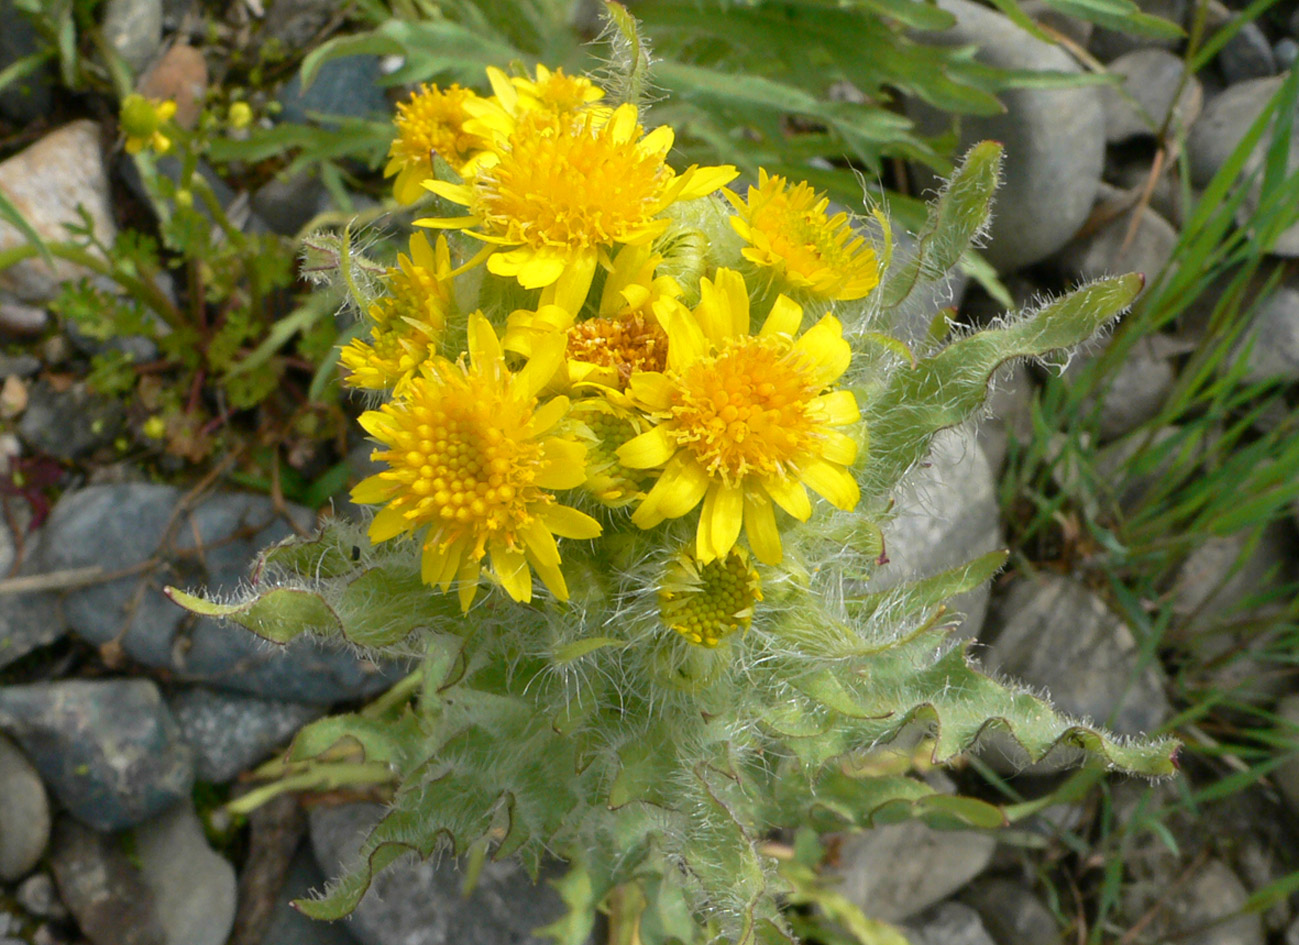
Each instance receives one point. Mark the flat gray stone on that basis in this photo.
(24, 814)
(193, 887)
(416, 902)
(948, 923)
(134, 29)
(1247, 55)
(38, 897)
(894, 871)
(231, 732)
(1270, 346)
(1013, 914)
(1206, 910)
(1054, 634)
(1152, 88)
(101, 888)
(47, 183)
(108, 749)
(70, 424)
(946, 515)
(210, 546)
(1048, 162)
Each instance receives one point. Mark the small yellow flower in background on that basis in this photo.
(787, 230)
(473, 458)
(143, 120)
(566, 187)
(611, 425)
(240, 116)
(744, 420)
(550, 91)
(431, 122)
(706, 602)
(408, 321)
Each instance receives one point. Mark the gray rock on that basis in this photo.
(1009, 410)
(1073, 28)
(230, 732)
(101, 888)
(1286, 775)
(946, 515)
(1270, 346)
(1048, 162)
(948, 923)
(421, 903)
(70, 424)
(347, 87)
(22, 321)
(211, 545)
(193, 888)
(1138, 386)
(1219, 131)
(1107, 249)
(287, 925)
(1107, 45)
(295, 22)
(28, 99)
(914, 316)
(38, 897)
(1247, 55)
(1012, 913)
(893, 872)
(24, 814)
(19, 365)
(1152, 88)
(288, 204)
(134, 29)
(1228, 580)
(1206, 910)
(27, 621)
(47, 183)
(1055, 634)
(109, 749)
(1286, 52)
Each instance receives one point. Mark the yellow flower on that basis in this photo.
(565, 188)
(473, 458)
(787, 230)
(706, 602)
(431, 122)
(623, 337)
(745, 420)
(143, 120)
(240, 115)
(408, 322)
(550, 91)
(611, 425)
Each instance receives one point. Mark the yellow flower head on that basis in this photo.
(787, 230)
(623, 337)
(744, 420)
(566, 187)
(143, 120)
(706, 602)
(549, 91)
(431, 122)
(473, 457)
(408, 321)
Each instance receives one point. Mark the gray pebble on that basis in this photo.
(1152, 88)
(38, 897)
(1286, 775)
(287, 925)
(70, 424)
(420, 902)
(24, 814)
(19, 365)
(231, 732)
(1286, 52)
(347, 87)
(193, 887)
(1271, 343)
(1108, 45)
(109, 749)
(1107, 250)
(1246, 56)
(27, 99)
(134, 29)
(948, 923)
(1013, 914)
(102, 889)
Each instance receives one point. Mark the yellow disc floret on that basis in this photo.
(744, 421)
(473, 458)
(706, 602)
(788, 230)
(431, 122)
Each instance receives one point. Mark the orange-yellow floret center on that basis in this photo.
(746, 410)
(626, 343)
(564, 182)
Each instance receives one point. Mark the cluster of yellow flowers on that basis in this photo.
(638, 406)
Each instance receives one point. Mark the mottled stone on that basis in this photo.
(109, 749)
(70, 424)
(1153, 87)
(102, 889)
(134, 29)
(231, 732)
(1012, 913)
(47, 183)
